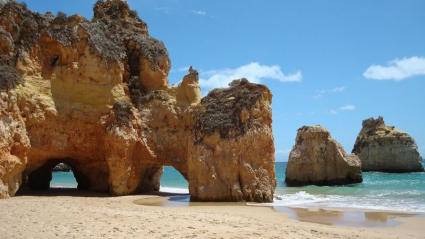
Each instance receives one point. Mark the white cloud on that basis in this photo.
(282, 152)
(397, 69)
(422, 150)
(183, 69)
(348, 107)
(282, 155)
(345, 107)
(163, 9)
(202, 13)
(254, 72)
(338, 89)
(319, 93)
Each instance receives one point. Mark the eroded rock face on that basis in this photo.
(95, 96)
(318, 159)
(386, 149)
(14, 145)
(233, 149)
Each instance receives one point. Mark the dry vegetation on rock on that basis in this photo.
(222, 107)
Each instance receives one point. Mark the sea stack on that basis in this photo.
(95, 96)
(62, 168)
(233, 145)
(318, 159)
(386, 149)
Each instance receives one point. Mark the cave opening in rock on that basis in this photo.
(63, 177)
(69, 176)
(173, 181)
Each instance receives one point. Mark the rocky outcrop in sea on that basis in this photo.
(95, 96)
(318, 159)
(386, 149)
(62, 168)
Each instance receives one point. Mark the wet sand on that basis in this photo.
(69, 213)
(333, 217)
(347, 218)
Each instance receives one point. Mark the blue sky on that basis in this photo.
(333, 63)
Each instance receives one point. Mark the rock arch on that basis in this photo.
(118, 132)
(41, 177)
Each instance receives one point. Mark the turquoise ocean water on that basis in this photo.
(378, 191)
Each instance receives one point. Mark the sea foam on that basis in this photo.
(303, 199)
(174, 190)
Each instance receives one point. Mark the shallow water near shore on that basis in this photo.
(346, 218)
(378, 191)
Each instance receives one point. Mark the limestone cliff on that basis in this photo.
(95, 96)
(318, 159)
(14, 145)
(387, 149)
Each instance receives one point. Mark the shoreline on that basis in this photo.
(69, 213)
(350, 217)
(184, 192)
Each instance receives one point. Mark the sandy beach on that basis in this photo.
(68, 213)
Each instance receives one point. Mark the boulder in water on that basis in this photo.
(61, 168)
(386, 149)
(318, 159)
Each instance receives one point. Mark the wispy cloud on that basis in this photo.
(197, 12)
(397, 69)
(342, 108)
(282, 155)
(254, 72)
(338, 89)
(348, 107)
(319, 93)
(163, 9)
(282, 152)
(183, 69)
(422, 151)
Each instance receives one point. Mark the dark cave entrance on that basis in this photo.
(41, 178)
(133, 64)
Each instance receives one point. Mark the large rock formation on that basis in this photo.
(318, 159)
(95, 96)
(233, 145)
(386, 149)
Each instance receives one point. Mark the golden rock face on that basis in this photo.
(95, 95)
(318, 159)
(386, 149)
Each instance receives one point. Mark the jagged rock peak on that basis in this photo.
(373, 123)
(193, 74)
(226, 109)
(385, 148)
(318, 159)
(116, 9)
